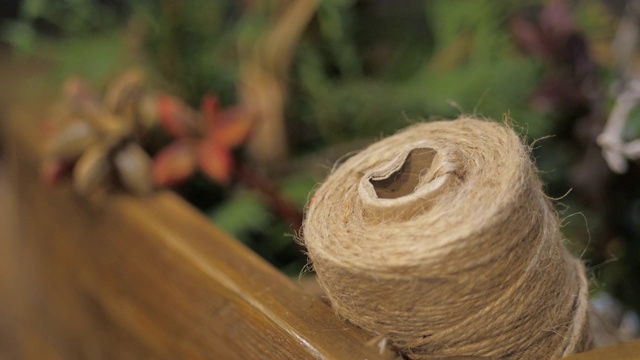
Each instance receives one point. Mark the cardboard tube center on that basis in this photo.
(404, 181)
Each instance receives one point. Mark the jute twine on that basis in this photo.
(440, 240)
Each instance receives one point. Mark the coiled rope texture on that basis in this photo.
(440, 239)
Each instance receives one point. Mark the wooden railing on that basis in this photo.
(119, 277)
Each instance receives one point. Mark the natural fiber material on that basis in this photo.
(440, 240)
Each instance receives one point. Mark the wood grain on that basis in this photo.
(625, 351)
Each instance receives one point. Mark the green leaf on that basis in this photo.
(20, 35)
(298, 187)
(32, 9)
(241, 213)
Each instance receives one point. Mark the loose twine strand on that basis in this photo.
(441, 240)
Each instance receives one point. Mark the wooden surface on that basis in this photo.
(625, 351)
(8, 265)
(117, 277)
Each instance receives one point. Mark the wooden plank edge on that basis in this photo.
(156, 215)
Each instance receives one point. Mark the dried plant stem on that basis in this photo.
(281, 205)
(170, 59)
(614, 149)
(263, 87)
(625, 53)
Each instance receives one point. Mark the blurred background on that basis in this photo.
(322, 79)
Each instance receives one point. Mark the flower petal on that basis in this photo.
(233, 127)
(124, 91)
(210, 109)
(52, 171)
(175, 163)
(134, 169)
(215, 161)
(178, 119)
(72, 141)
(80, 98)
(91, 169)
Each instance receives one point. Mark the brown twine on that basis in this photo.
(441, 240)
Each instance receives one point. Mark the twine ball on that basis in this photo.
(441, 240)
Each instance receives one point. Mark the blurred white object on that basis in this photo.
(626, 53)
(610, 323)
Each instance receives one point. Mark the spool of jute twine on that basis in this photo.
(440, 240)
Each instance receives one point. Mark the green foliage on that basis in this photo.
(21, 35)
(96, 58)
(84, 38)
(242, 213)
(246, 217)
(71, 17)
(193, 44)
(335, 27)
(594, 19)
(463, 57)
(299, 187)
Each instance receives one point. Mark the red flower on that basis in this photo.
(202, 140)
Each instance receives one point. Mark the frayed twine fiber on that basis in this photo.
(440, 239)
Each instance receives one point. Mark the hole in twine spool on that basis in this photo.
(420, 172)
(405, 180)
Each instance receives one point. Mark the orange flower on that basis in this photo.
(203, 140)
